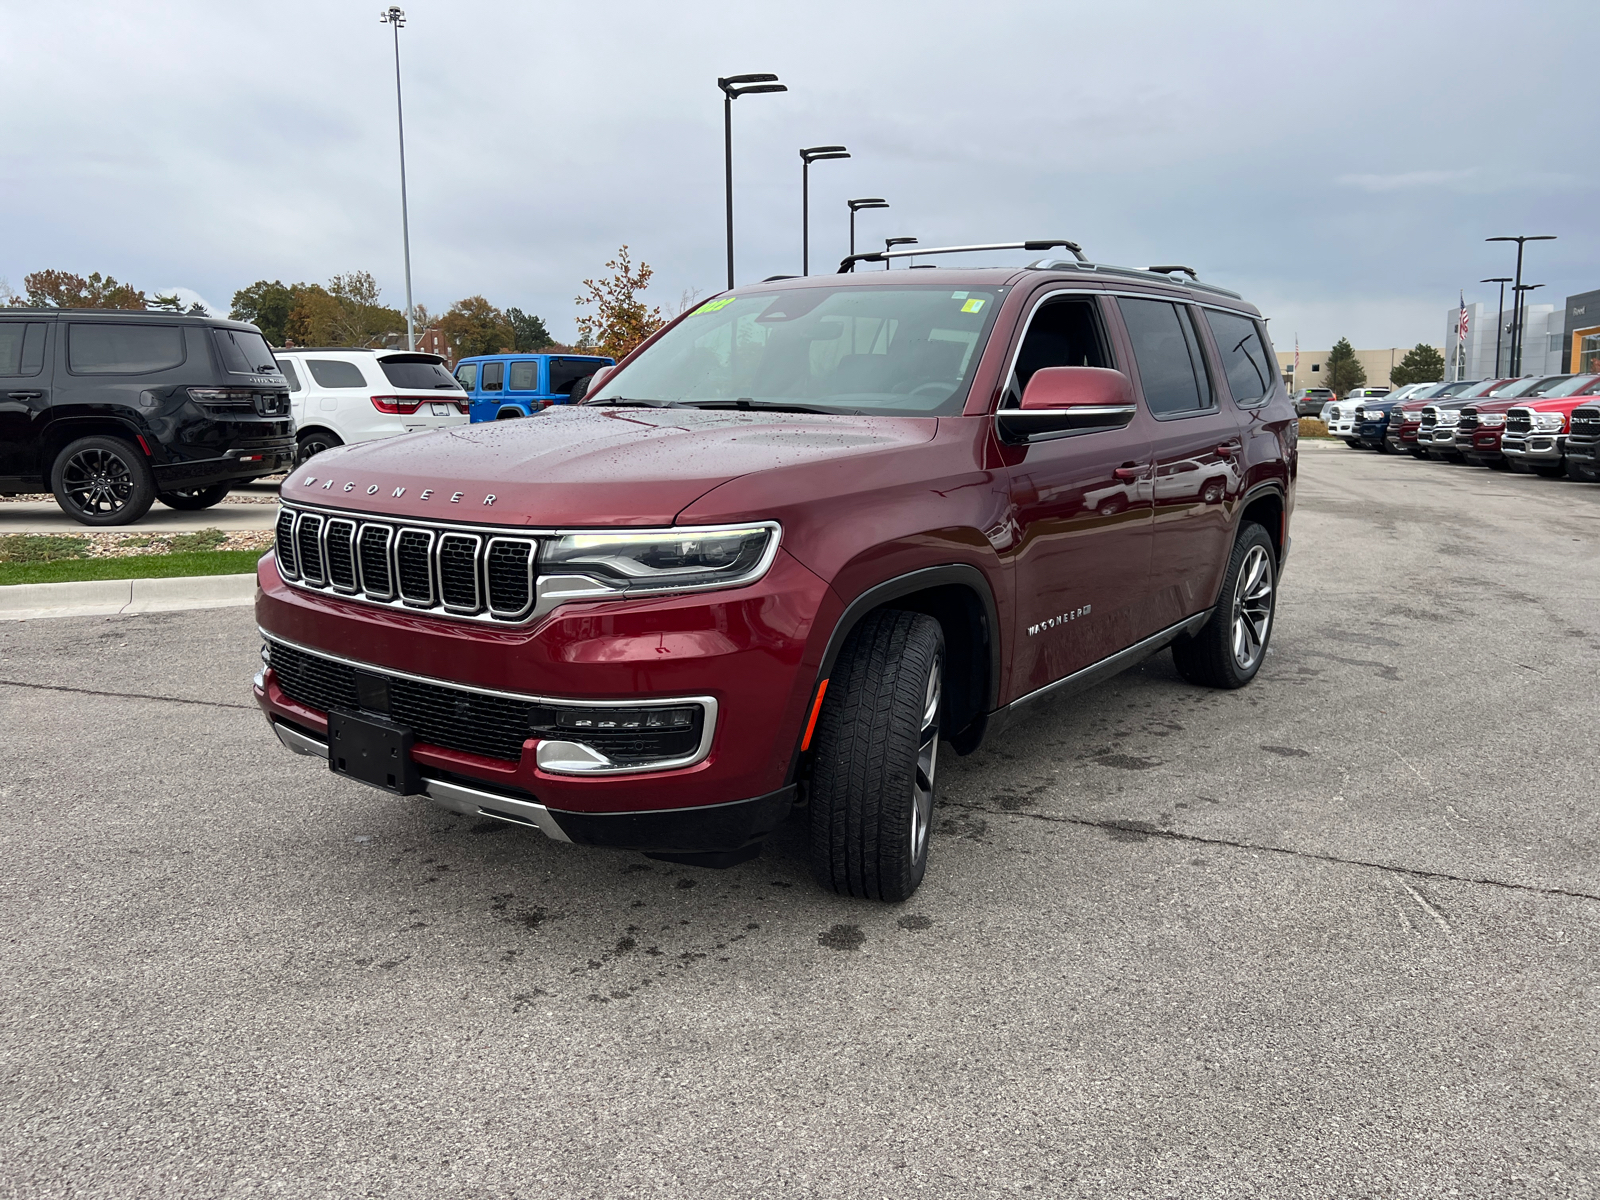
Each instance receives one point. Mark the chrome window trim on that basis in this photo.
(708, 705)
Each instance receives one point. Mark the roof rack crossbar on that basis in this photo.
(1189, 271)
(847, 264)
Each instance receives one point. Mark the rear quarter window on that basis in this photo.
(335, 373)
(1244, 356)
(244, 352)
(290, 374)
(123, 348)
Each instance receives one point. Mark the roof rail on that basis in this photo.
(848, 264)
(1149, 274)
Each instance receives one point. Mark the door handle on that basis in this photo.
(1128, 472)
(1227, 450)
(26, 395)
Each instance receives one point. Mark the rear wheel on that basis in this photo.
(877, 747)
(196, 498)
(102, 481)
(313, 442)
(1230, 648)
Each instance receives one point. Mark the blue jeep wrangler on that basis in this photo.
(502, 386)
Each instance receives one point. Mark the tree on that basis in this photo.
(474, 326)
(360, 320)
(1422, 364)
(1344, 372)
(620, 320)
(61, 289)
(266, 306)
(528, 331)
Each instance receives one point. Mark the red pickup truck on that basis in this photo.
(1535, 435)
(804, 534)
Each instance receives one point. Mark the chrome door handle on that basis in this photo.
(1227, 450)
(26, 395)
(1128, 472)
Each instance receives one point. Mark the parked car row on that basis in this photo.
(1544, 425)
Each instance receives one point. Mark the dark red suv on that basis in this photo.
(802, 535)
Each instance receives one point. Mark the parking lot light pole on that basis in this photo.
(1500, 320)
(1516, 321)
(891, 243)
(856, 205)
(397, 18)
(734, 86)
(809, 155)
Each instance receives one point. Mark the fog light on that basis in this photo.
(624, 719)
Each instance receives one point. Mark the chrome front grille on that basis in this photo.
(1430, 417)
(1469, 420)
(1519, 420)
(1586, 422)
(485, 575)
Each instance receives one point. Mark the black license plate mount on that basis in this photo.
(374, 752)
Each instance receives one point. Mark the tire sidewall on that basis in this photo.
(1250, 535)
(144, 486)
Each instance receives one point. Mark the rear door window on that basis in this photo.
(245, 352)
(467, 376)
(564, 372)
(524, 377)
(1172, 372)
(335, 373)
(1244, 356)
(21, 347)
(123, 348)
(417, 374)
(494, 376)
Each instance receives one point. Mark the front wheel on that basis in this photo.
(102, 481)
(1230, 648)
(877, 748)
(195, 499)
(1353, 443)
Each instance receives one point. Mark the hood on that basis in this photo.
(582, 466)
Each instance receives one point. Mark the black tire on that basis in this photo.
(102, 481)
(1550, 470)
(1354, 443)
(196, 498)
(315, 441)
(1232, 645)
(1582, 472)
(1518, 467)
(876, 755)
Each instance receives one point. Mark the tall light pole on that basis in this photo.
(1517, 303)
(397, 18)
(809, 155)
(891, 243)
(865, 202)
(1516, 322)
(1500, 320)
(734, 86)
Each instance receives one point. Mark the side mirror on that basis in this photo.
(1062, 401)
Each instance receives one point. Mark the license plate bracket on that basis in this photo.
(374, 752)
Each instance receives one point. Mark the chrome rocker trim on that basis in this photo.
(1079, 681)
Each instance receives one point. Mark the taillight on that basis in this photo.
(396, 404)
(464, 405)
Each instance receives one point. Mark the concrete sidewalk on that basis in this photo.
(112, 597)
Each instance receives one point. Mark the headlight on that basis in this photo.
(641, 562)
(1549, 422)
(1492, 420)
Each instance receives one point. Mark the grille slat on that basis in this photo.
(474, 575)
(308, 541)
(339, 552)
(288, 560)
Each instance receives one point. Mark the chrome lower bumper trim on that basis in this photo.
(457, 797)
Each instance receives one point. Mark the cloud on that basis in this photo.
(1407, 180)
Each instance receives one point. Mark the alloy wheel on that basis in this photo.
(98, 481)
(927, 762)
(1252, 608)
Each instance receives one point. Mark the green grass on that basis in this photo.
(140, 566)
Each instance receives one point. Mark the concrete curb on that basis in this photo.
(110, 597)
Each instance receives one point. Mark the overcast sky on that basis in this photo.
(1338, 164)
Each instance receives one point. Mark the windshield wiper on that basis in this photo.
(625, 402)
(745, 403)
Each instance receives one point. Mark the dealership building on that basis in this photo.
(1580, 332)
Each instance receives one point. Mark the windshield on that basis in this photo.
(418, 374)
(245, 352)
(906, 351)
(1567, 387)
(1521, 387)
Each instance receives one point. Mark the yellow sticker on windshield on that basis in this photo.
(972, 306)
(713, 305)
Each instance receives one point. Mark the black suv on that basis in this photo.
(113, 410)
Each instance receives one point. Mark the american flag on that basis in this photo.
(1461, 323)
(1297, 354)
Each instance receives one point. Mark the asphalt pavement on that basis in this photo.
(1333, 935)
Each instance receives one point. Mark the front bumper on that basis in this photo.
(1541, 447)
(1372, 433)
(750, 649)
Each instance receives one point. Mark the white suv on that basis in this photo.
(343, 395)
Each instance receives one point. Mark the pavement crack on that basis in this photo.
(52, 687)
(1146, 830)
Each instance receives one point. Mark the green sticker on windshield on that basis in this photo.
(973, 305)
(713, 305)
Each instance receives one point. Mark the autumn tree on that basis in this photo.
(1422, 364)
(359, 319)
(474, 326)
(619, 320)
(266, 306)
(1344, 372)
(62, 289)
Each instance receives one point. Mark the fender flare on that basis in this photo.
(508, 412)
